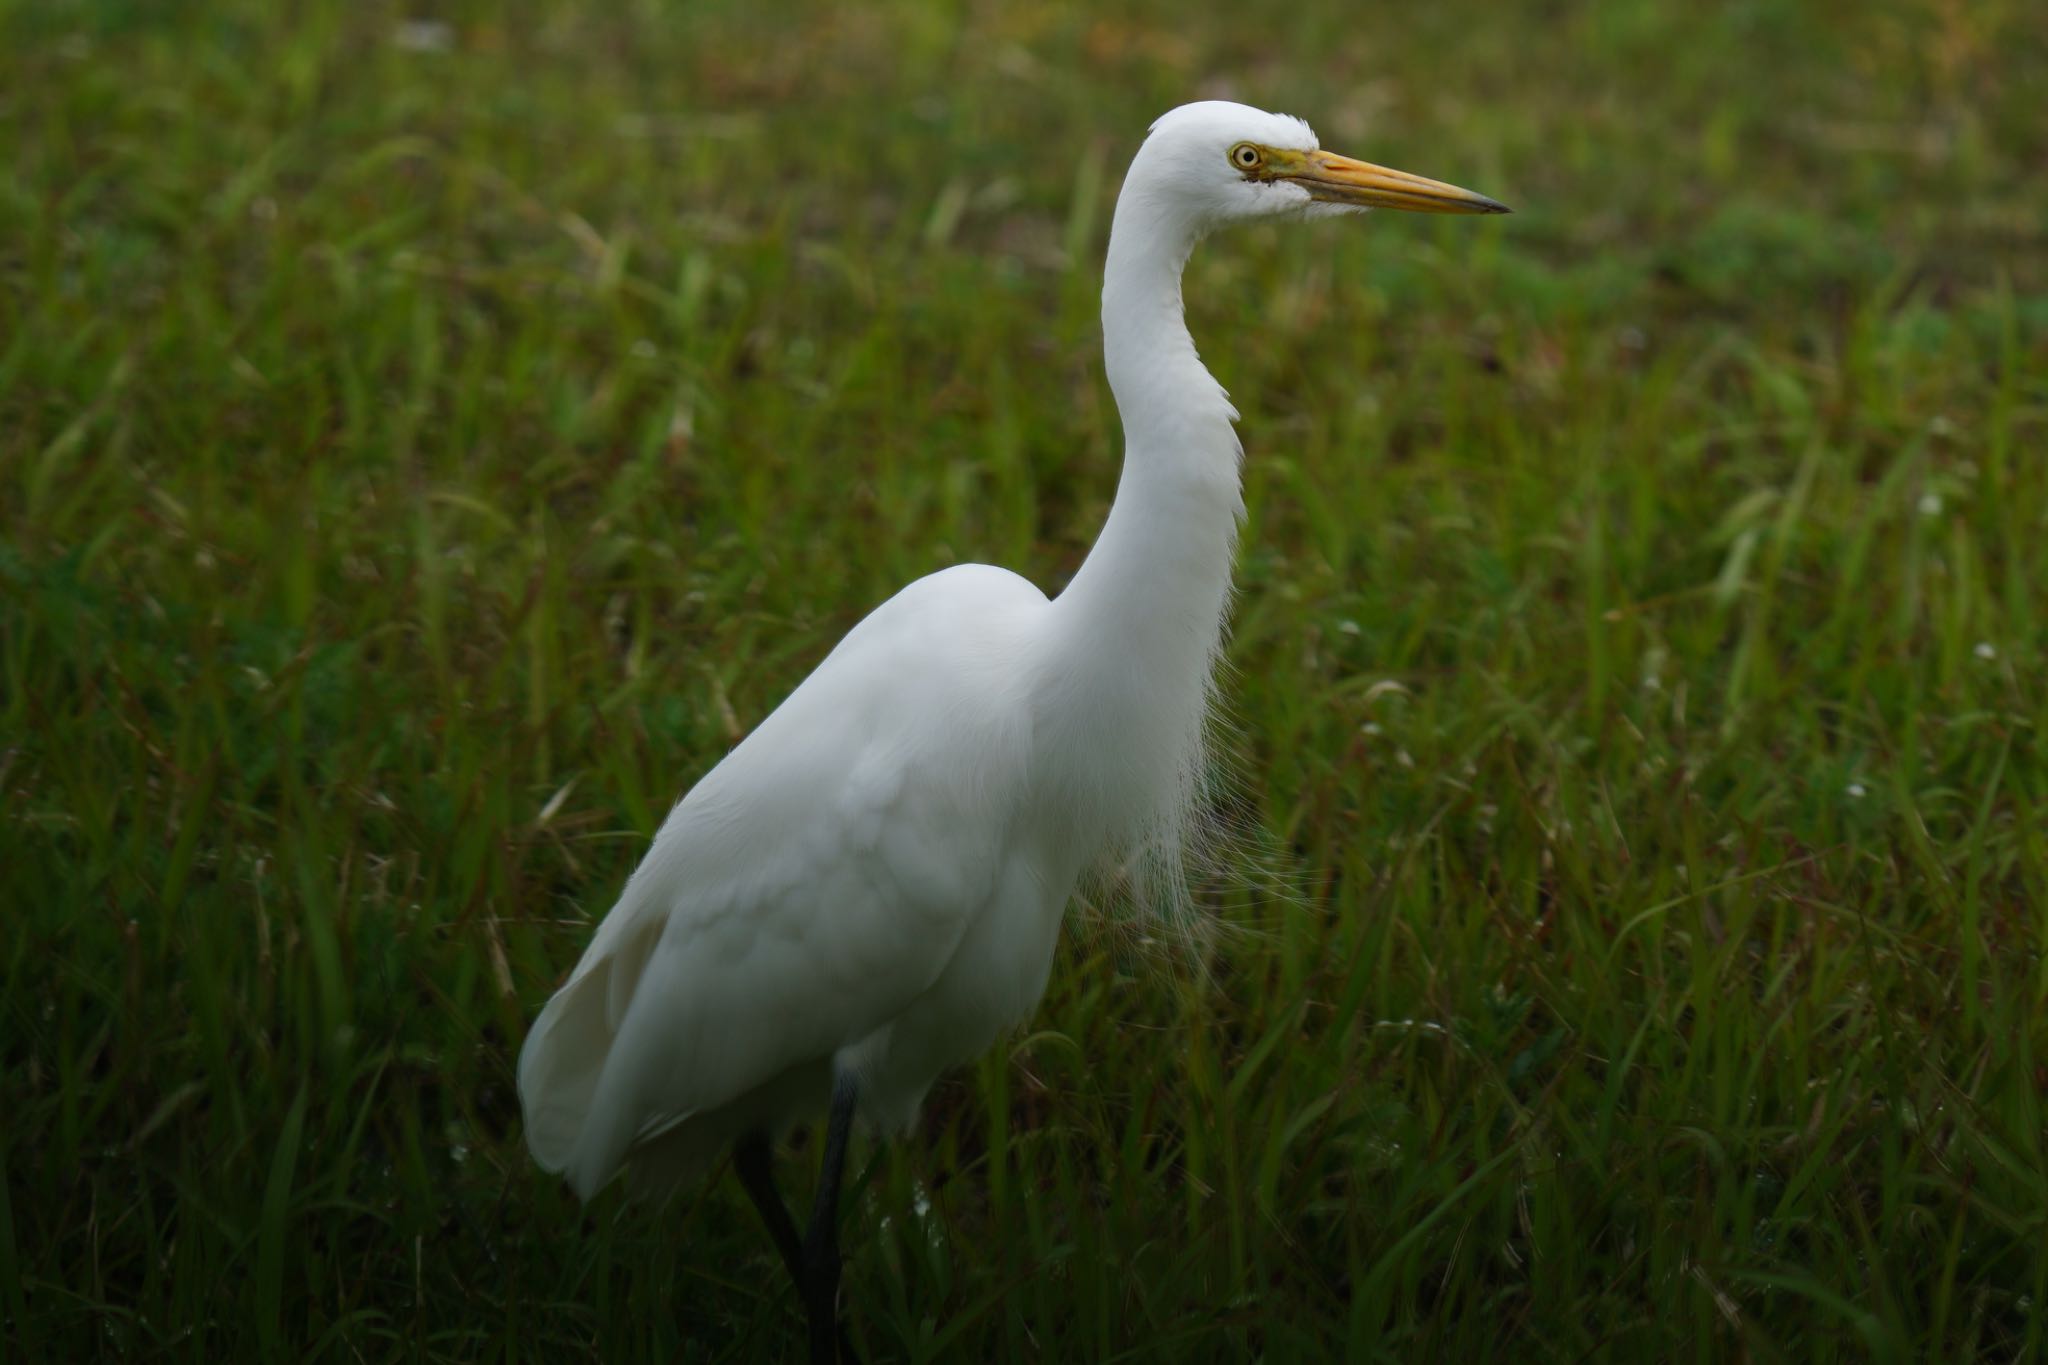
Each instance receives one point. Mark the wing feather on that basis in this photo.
(805, 892)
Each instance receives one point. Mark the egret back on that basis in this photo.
(807, 891)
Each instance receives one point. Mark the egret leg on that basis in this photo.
(821, 1245)
(753, 1163)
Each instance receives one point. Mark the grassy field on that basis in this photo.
(431, 439)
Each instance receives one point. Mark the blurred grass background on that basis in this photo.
(432, 436)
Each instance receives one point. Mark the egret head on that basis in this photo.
(1216, 162)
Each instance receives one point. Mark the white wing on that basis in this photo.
(809, 888)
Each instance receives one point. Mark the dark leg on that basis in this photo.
(753, 1163)
(821, 1246)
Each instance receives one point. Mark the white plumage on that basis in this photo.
(870, 885)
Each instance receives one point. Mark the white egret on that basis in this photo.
(867, 890)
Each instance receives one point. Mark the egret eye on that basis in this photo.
(1246, 157)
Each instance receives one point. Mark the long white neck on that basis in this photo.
(1135, 635)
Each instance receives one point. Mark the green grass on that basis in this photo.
(419, 466)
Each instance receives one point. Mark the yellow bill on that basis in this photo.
(1340, 180)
